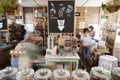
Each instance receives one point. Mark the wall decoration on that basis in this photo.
(61, 16)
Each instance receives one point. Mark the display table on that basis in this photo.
(66, 58)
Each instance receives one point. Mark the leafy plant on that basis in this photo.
(7, 6)
(111, 6)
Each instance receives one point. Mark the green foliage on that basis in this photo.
(7, 6)
(117, 2)
(104, 6)
(111, 6)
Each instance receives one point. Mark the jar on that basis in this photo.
(43, 74)
(99, 73)
(115, 73)
(74, 41)
(80, 75)
(25, 74)
(61, 74)
(9, 73)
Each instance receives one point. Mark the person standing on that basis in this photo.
(92, 31)
(86, 43)
(23, 32)
(30, 45)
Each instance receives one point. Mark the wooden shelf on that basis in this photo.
(40, 22)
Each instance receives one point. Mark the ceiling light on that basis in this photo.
(19, 1)
(36, 11)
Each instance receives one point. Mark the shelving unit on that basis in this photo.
(108, 30)
(40, 22)
(117, 39)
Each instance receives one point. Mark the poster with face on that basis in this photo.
(61, 16)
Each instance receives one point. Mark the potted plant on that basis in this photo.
(111, 6)
(7, 6)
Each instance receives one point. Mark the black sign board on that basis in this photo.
(61, 16)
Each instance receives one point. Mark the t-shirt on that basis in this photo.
(92, 33)
(87, 40)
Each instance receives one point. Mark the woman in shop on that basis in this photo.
(31, 48)
(87, 43)
(92, 31)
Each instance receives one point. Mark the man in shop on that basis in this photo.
(31, 48)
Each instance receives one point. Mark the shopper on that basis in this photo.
(92, 31)
(87, 43)
(23, 32)
(29, 45)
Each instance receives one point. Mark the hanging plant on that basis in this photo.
(7, 6)
(111, 7)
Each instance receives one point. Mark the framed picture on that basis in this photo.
(61, 16)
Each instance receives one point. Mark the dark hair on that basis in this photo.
(91, 27)
(85, 30)
(22, 26)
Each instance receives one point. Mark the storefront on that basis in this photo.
(59, 39)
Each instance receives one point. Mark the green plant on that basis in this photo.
(111, 6)
(117, 2)
(104, 6)
(7, 6)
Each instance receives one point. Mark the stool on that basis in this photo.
(108, 62)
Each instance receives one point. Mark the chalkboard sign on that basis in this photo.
(61, 16)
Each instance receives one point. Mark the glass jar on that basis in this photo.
(98, 73)
(9, 73)
(43, 74)
(61, 74)
(115, 73)
(25, 74)
(80, 75)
